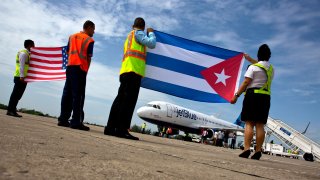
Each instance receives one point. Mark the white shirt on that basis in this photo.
(258, 75)
(22, 60)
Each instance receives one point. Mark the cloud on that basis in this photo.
(101, 81)
(229, 40)
(302, 92)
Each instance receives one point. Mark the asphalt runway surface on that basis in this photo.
(34, 147)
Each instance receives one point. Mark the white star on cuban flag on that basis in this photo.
(222, 77)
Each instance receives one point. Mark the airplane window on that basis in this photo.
(154, 106)
(158, 107)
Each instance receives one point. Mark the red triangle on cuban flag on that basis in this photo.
(223, 76)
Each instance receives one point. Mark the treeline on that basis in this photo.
(138, 129)
(28, 111)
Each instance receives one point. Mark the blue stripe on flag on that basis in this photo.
(174, 65)
(195, 46)
(180, 91)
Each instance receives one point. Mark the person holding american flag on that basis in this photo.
(22, 65)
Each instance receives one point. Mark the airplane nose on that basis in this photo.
(140, 112)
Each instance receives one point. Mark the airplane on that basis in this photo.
(190, 121)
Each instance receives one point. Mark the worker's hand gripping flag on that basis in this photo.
(192, 70)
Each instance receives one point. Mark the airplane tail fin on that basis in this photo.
(306, 128)
(239, 122)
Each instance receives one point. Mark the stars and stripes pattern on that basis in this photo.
(47, 64)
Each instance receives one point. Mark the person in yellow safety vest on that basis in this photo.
(143, 127)
(22, 66)
(131, 72)
(80, 50)
(256, 103)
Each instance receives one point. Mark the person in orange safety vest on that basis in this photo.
(80, 49)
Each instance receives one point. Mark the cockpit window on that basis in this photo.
(154, 106)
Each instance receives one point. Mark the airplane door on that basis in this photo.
(169, 110)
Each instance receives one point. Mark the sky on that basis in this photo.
(290, 28)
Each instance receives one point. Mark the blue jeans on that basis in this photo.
(73, 96)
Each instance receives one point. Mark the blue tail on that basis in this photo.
(239, 122)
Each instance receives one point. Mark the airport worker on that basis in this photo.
(256, 103)
(143, 127)
(204, 135)
(233, 141)
(131, 72)
(215, 137)
(225, 139)
(80, 50)
(169, 132)
(163, 132)
(22, 65)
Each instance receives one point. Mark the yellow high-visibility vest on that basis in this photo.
(266, 88)
(26, 65)
(134, 57)
(143, 125)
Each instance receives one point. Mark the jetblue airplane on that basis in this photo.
(170, 115)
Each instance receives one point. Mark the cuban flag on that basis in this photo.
(192, 70)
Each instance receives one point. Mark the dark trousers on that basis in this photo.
(123, 106)
(17, 92)
(233, 142)
(73, 96)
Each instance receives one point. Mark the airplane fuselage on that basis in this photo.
(170, 115)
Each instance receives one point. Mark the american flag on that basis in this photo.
(47, 64)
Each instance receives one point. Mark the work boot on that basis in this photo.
(14, 114)
(80, 127)
(125, 134)
(109, 131)
(64, 123)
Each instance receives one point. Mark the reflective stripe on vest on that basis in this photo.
(134, 57)
(26, 64)
(78, 50)
(266, 88)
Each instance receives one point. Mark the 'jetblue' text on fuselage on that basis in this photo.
(186, 114)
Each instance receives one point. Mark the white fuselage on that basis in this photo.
(167, 114)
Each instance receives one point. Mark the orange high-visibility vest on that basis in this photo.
(78, 50)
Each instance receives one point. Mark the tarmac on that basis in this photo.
(34, 147)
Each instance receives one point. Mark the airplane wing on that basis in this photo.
(223, 129)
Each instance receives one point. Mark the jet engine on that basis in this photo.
(210, 134)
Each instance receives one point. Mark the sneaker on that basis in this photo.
(14, 114)
(80, 127)
(64, 123)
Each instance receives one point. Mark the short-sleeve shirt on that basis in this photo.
(258, 75)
